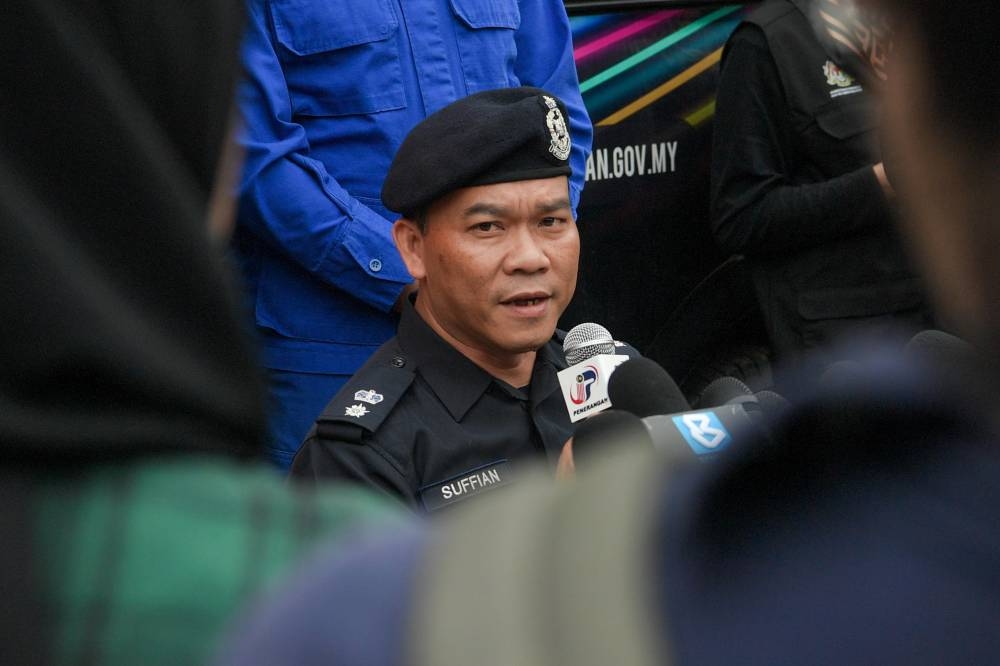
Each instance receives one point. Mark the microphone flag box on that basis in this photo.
(585, 385)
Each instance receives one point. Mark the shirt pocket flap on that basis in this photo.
(305, 28)
(488, 14)
(864, 301)
(848, 117)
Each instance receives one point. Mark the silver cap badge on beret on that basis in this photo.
(557, 129)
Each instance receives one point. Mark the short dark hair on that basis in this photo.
(419, 217)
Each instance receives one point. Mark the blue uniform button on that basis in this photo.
(375, 265)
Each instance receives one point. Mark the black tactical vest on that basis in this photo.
(813, 295)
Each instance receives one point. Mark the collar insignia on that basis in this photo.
(369, 396)
(357, 411)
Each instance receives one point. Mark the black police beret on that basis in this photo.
(496, 136)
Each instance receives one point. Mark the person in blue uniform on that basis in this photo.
(466, 392)
(799, 185)
(864, 531)
(331, 90)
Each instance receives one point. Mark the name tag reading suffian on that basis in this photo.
(465, 485)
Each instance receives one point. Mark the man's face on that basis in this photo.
(496, 265)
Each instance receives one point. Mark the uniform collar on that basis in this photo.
(455, 379)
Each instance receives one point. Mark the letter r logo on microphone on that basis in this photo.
(703, 432)
(580, 392)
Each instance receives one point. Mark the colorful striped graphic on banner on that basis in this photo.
(628, 62)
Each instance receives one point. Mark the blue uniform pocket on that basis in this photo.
(339, 58)
(485, 32)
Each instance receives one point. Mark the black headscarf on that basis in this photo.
(119, 337)
(118, 334)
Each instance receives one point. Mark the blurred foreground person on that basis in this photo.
(867, 531)
(133, 519)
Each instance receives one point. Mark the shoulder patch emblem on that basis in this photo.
(369, 396)
(835, 76)
(356, 411)
(560, 142)
(842, 82)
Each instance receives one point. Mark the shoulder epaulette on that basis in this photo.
(367, 398)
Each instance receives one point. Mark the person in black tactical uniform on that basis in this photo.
(798, 183)
(467, 389)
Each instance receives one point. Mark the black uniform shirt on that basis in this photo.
(422, 422)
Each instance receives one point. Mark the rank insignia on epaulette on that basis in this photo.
(356, 411)
(369, 396)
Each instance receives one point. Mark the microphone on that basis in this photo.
(585, 341)
(941, 348)
(611, 428)
(726, 390)
(642, 387)
(772, 404)
(590, 351)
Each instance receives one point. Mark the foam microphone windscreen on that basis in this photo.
(642, 387)
(771, 403)
(724, 390)
(940, 347)
(612, 428)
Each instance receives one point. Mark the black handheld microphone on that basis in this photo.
(612, 429)
(724, 391)
(642, 387)
(771, 403)
(942, 349)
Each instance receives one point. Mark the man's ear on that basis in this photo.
(410, 243)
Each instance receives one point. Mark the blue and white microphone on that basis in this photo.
(593, 355)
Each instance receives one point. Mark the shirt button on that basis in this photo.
(398, 361)
(375, 265)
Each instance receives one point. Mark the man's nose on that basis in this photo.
(526, 253)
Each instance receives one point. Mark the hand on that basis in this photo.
(883, 180)
(565, 468)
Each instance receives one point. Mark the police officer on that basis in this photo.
(798, 182)
(467, 389)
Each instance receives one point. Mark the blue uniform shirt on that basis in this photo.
(331, 90)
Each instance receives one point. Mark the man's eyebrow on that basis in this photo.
(494, 210)
(498, 210)
(552, 206)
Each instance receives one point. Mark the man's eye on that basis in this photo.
(550, 221)
(486, 226)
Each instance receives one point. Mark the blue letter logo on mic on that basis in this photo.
(581, 390)
(703, 432)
